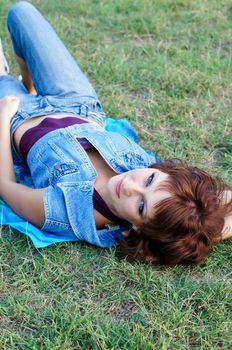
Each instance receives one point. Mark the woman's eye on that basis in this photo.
(150, 179)
(141, 207)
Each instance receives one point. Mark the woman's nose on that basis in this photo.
(131, 188)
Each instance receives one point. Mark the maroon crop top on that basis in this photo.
(47, 125)
(32, 135)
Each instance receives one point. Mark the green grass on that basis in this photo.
(164, 65)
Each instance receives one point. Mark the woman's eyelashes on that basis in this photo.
(150, 179)
(141, 207)
(148, 183)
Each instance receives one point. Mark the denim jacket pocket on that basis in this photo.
(63, 172)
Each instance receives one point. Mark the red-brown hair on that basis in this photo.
(186, 225)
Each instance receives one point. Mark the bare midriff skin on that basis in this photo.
(104, 171)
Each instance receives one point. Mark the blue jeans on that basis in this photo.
(60, 84)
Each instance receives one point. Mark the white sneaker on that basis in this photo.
(7, 69)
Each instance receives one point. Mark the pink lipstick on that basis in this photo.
(118, 187)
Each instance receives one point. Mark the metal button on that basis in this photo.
(57, 166)
(129, 156)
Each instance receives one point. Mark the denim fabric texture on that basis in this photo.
(57, 162)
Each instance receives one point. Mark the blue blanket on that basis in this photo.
(40, 238)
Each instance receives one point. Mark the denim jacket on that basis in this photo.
(59, 164)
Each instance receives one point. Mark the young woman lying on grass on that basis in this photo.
(91, 184)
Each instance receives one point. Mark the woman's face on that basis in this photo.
(133, 195)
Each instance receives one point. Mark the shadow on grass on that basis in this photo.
(223, 155)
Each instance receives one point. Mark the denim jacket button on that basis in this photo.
(57, 166)
(128, 156)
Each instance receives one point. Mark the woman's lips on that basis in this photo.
(118, 187)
